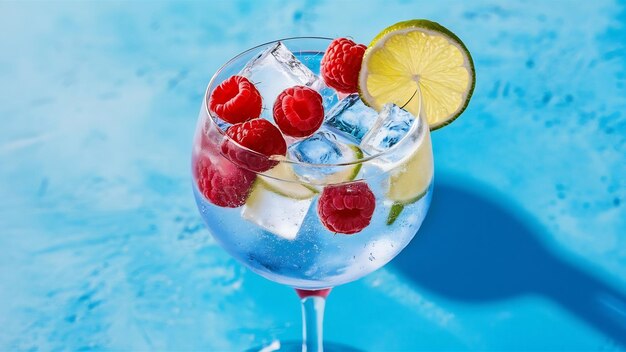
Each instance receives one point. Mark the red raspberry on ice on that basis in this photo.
(341, 64)
(298, 111)
(221, 182)
(236, 100)
(262, 140)
(346, 208)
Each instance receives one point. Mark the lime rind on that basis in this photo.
(394, 213)
(346, 173)
(283, 180)
(350, 173)
(358, 155)
(397, 207)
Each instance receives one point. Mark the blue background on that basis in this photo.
(101, 246)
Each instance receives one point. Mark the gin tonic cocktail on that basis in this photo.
(299, 179)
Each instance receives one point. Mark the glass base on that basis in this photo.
(296, 346)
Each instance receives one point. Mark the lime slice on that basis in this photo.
(327, 175)
(410, 181)
(347, 173)
(283, 180)
(424, 53)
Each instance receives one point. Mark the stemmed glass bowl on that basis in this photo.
(276, 229)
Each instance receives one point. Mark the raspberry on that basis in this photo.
(236, 100)
(260, 140)
(222, 182)
(341, 64)
(346, 208)
(298, 111)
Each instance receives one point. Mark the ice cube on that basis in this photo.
(320, 148)
(392, 124)
(329, 96)
(275, 70)
(278, 214)
(351, 118)
(324, 148)
(312, 61)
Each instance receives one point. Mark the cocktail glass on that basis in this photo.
(278, 233)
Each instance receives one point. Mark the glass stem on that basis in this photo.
(313, 303)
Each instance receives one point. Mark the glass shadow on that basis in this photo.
(473, 248)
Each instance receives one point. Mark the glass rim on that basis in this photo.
(281, 158)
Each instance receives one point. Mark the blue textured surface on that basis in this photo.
(102, 248)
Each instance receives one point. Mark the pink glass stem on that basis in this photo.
(313, 302)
